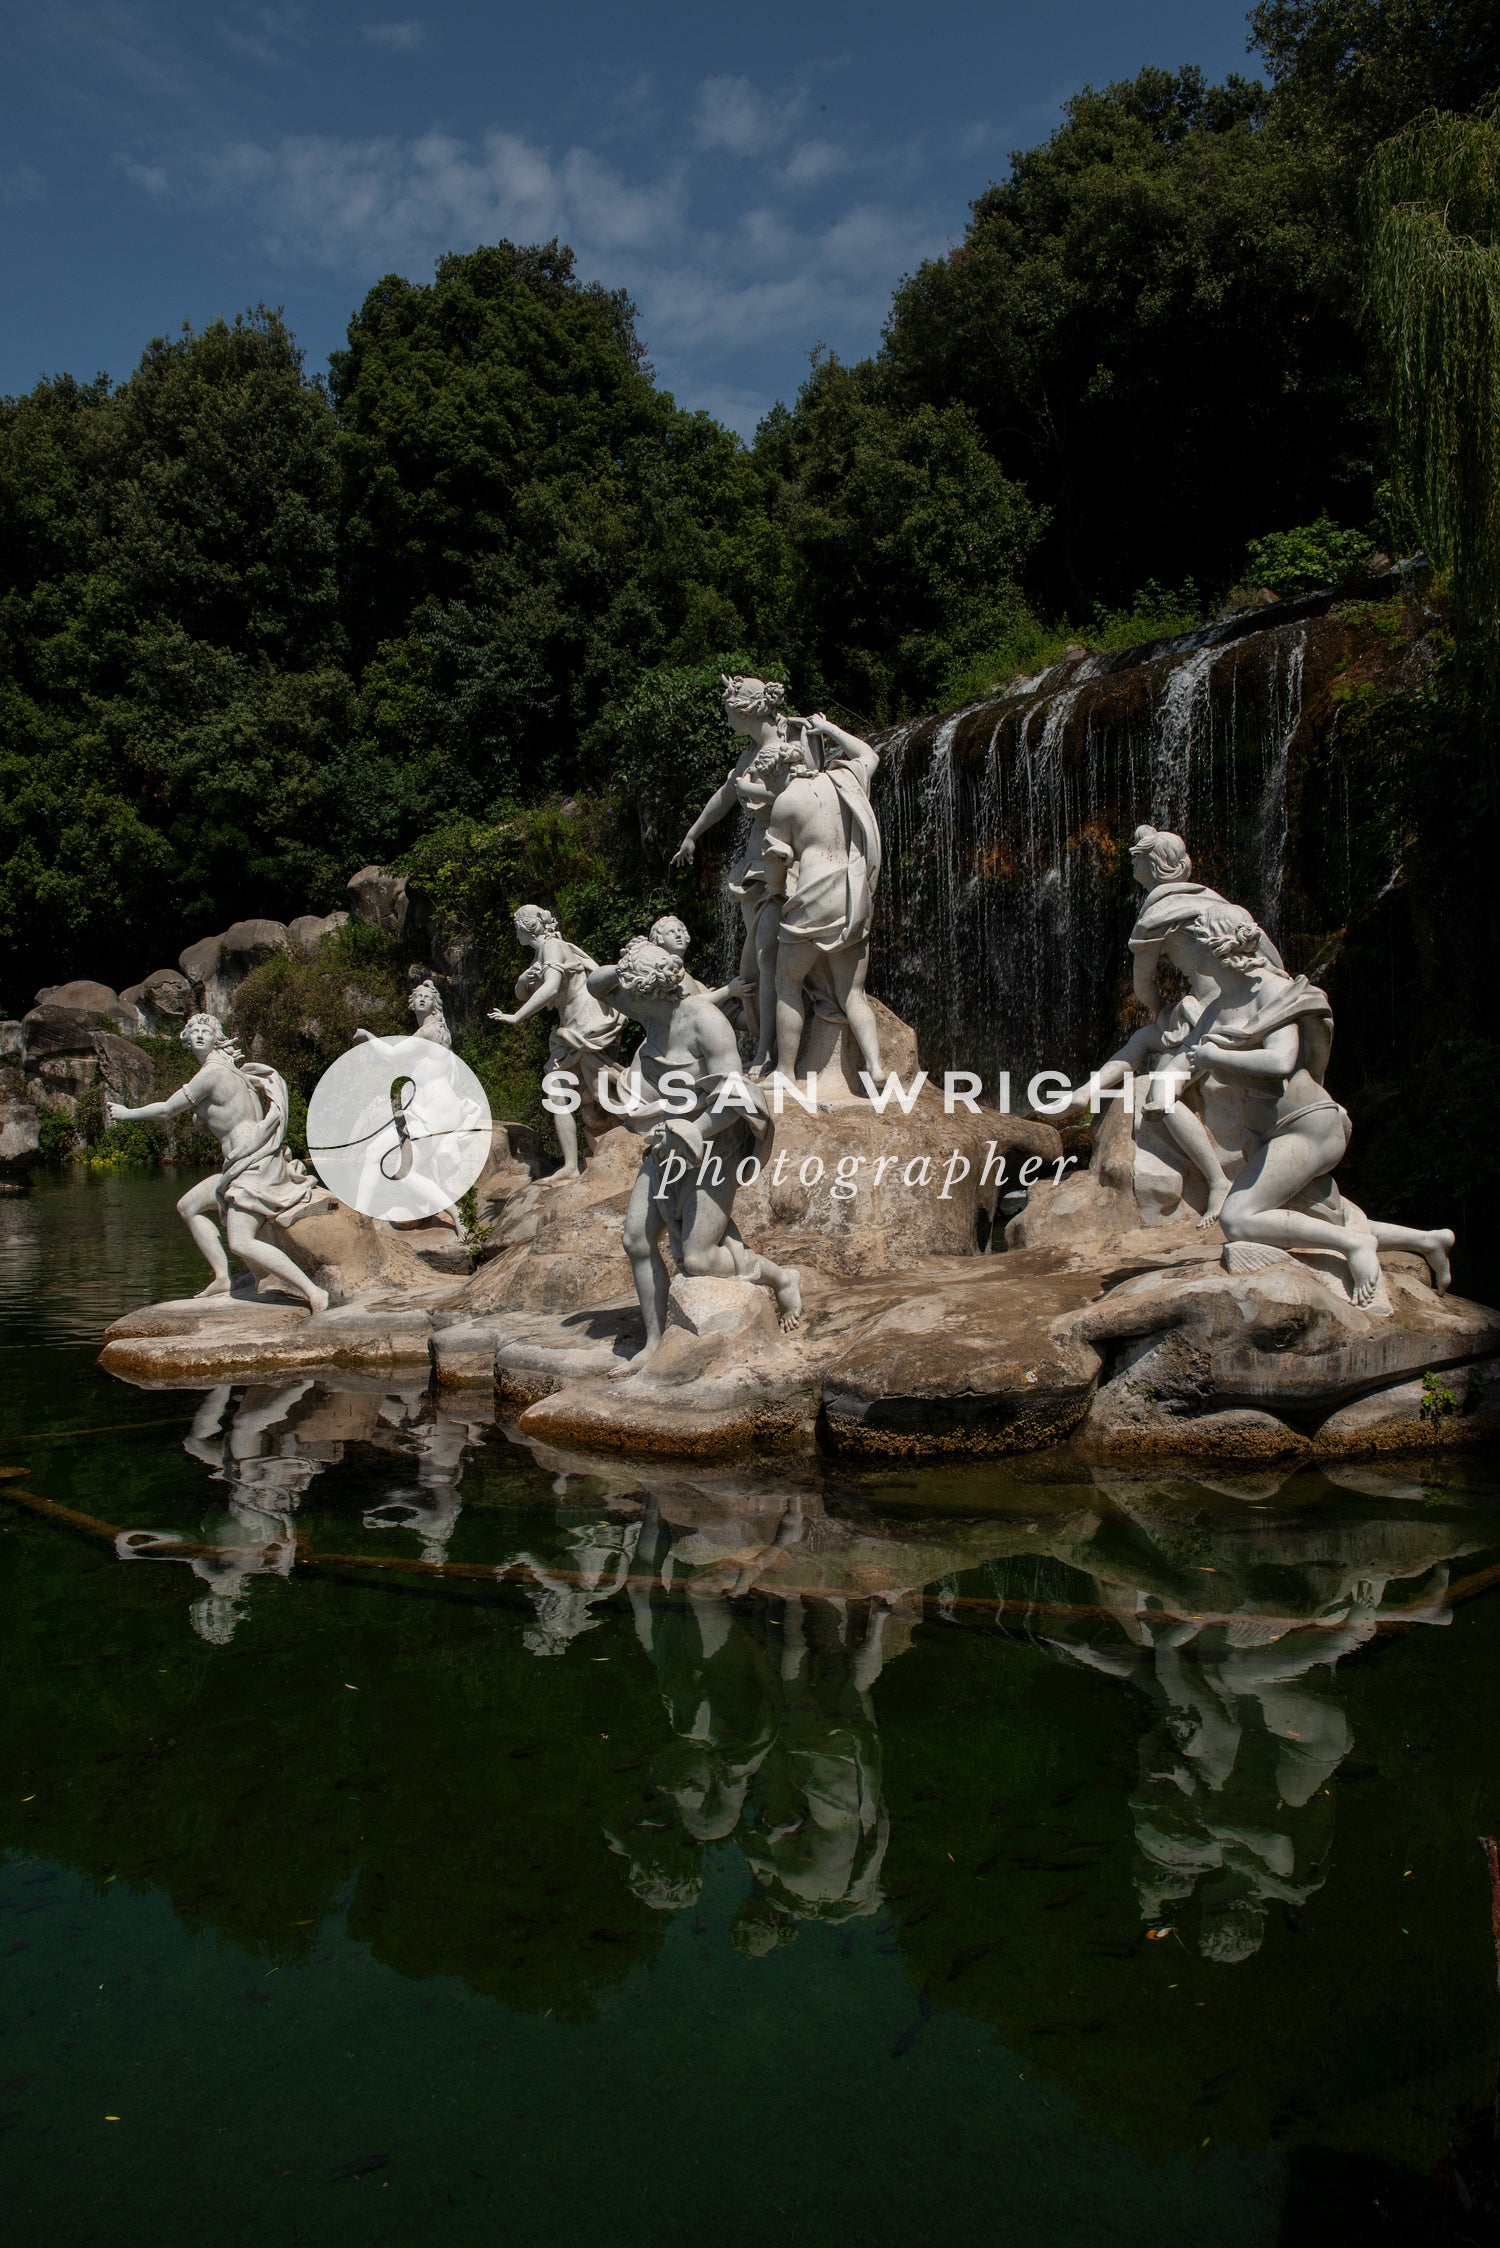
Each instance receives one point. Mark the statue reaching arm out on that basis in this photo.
(244, 1105)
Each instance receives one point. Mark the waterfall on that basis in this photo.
(1007, 894)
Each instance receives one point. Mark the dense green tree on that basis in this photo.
(900, 545)
(171, 682)
(1151, 323)
(527, 521)
(1351, 72)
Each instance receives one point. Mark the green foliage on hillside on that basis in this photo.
(256, 630)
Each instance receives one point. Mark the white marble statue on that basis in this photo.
(672, 936)
(1264, 1039)
(244, 1104)
(776, 746)
(587, 1037)
(690, 1200)
(1160, 863)
(822, 854)
(426, 1003)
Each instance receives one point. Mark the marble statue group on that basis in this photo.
(1218, 1157)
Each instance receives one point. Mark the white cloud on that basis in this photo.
(151, 179)
(21, 183)
(332, 202)
(395, 38)
(724, 295)
(732, 114)
(262, 34)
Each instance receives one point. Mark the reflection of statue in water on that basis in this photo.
(587, 1037)
(432, 1509)
(267, 1472)
(775, 1742)
(244, 1104)
(1234, 1806)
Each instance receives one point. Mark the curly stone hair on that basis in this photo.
(532, 920)
(761, 698)
(223, 1043)
(1230, 934)
(646, 972)
(1166, 854)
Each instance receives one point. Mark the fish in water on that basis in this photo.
(359, 2169)
(1065, 1897)
(905, 2041)
(963, 1960)
(924, 2004)
(888, 1947)
(846, 1947)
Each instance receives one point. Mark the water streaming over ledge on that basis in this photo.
(1006, 897)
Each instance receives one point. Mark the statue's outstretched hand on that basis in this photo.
(685, 852)
(118, 1112)
(498, 1015)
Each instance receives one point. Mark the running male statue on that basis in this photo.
(244, 1104)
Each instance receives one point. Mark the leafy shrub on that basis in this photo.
(1303, 560)
(1029, 647)
(300, 1011)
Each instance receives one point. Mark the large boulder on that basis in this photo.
(217, 966)
(1460, 1405)
(127, 1074)
(20, 1137)
(162, 1001)
(379, 899)
(308, 931)
(95, 1000)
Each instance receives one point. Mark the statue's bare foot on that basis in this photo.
(1217, 1197)
(220, 1286)
(1364, 1268)
(789, 1301)
(1435, 1247)
(317, 1300)
(643, 1357)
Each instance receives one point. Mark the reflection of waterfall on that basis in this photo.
(1007, 897)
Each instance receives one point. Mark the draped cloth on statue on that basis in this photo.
(1299, 1002)
(263, 1178)
(1173, 905)
(834, 902)
(587, 1031)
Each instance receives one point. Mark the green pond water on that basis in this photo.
(785, 1852)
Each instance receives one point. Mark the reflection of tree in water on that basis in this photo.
(774, 1745)
(1234, 1804)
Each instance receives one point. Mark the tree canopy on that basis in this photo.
(256, 628)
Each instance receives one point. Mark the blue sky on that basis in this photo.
(758, 178)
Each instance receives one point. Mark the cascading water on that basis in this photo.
(1007, 894)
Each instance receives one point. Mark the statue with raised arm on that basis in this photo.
(697, 1141)
(244, 1104)
(822, 853)
(776, 746)
(587, 1037)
